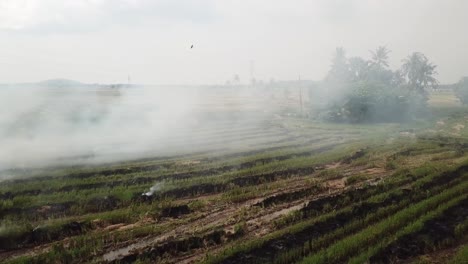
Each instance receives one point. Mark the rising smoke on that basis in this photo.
(155, 188)
(44, 126)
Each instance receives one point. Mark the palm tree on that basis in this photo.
(380, 56)
(419, 72)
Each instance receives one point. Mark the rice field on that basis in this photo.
(283, 190)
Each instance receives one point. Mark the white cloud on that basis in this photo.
(105, 40)
(65, 16)
(17, 14)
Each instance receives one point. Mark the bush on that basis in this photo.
(375, 102)
(356, 90)
(461, 90)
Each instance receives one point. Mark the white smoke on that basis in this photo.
(43, 127)
(40, 127)
(154, 189)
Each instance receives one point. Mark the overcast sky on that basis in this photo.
(106, 40)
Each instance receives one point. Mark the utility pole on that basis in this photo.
(300, 94)
(251, 72)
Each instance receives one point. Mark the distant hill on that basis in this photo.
(59, 83)
(64, 83)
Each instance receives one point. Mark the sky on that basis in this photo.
(105, 41)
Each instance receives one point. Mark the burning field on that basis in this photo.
(292, 190)
(225, 132)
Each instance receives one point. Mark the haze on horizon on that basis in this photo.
(104, 41)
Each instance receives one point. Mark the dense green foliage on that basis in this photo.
(358, 90)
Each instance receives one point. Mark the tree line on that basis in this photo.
(367, 90)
